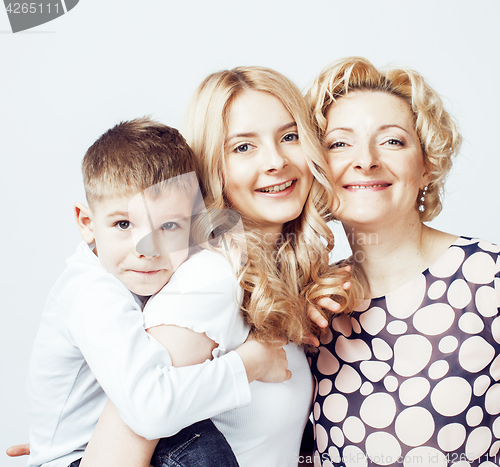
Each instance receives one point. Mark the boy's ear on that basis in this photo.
(84, 222)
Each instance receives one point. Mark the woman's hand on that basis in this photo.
(19, 450)
(264, 362)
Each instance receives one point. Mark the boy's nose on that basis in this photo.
(151, 245)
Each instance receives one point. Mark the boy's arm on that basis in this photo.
(113, 443)
(135, 370)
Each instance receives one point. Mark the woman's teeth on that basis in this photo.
(276, 188)
(365, 186)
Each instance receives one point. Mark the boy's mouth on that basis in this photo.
(147, 273)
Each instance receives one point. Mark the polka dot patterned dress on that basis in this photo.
(412, 378)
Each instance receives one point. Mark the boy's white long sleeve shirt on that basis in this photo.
(91, 345)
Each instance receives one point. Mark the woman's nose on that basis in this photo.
(367, 158)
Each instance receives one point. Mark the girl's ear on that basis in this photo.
(84, 221)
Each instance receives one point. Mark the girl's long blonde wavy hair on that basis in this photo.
(279, 279)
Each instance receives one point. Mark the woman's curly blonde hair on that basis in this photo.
(279, 278)
(438, 134)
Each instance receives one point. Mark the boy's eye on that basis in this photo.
(291, 137)
(169, 226)
(123, 225)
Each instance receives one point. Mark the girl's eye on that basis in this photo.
(291, 137)
(169, 226)
(123, 225)
(242, 148)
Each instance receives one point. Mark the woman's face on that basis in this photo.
(268, 178)
(376, 160)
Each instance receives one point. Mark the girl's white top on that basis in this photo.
(268, 432)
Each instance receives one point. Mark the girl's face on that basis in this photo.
(376, 159)
(268, 178)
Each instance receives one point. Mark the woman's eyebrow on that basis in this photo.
(393, 125)
(339, 128)
(380, 128)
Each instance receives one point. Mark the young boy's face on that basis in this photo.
(143, 239)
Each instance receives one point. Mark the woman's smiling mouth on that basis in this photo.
(375, 185)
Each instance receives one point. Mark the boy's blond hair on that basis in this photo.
(134, 156)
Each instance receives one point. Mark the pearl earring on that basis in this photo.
(421, 208)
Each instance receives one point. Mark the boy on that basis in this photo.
(91, 344)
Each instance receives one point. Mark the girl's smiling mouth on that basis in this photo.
(279, 188)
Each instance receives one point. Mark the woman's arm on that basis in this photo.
(113, 443)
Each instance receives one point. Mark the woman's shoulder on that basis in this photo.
(476, 247)
(474, 259)
(478, 244)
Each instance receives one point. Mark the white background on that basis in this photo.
(66, 82)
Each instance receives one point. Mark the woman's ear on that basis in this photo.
(426, 178)
(84, 221)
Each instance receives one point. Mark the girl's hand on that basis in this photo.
(264, 362)
(317, 318)
(19, 450)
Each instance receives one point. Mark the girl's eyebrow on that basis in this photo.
(284, 127)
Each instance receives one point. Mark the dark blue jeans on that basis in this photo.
(198, 445)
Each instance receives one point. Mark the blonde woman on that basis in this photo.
(410, 377)
(251, 131)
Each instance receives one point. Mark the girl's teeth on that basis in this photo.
(276, 188)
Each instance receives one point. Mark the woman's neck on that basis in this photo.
(390, 257)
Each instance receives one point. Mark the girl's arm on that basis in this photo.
(113, 443)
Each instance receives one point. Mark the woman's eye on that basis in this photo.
(291, 137)
(169, 226)
(394, 142)
(337, 144)
(123, 225)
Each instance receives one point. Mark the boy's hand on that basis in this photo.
(264, 362)
(19, 450)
